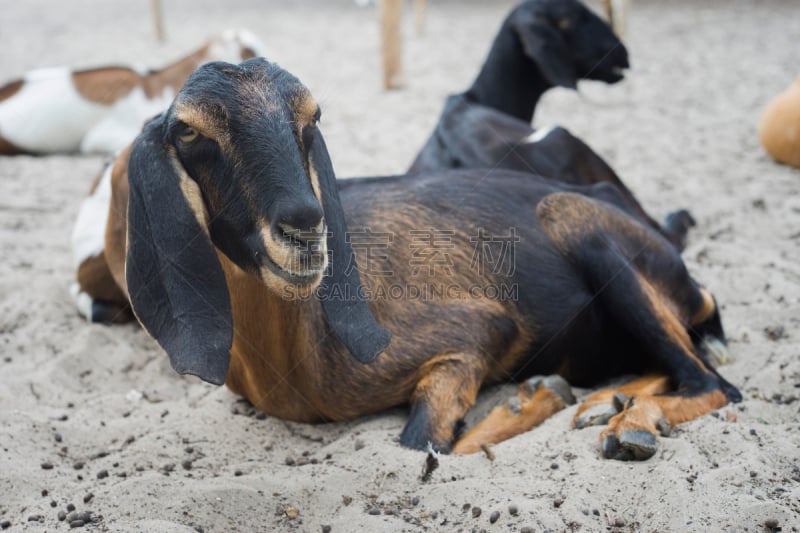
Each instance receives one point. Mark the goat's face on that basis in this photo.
(244, 136)
(236, 165)
(568, 41)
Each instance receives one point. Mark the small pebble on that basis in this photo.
(102, 474)
(77, 523)
(61, 516)
(476, 512)
(771, 523)
(374, 511)
(415, 501)
(595, 512)
(44, 492)
(292, 512)
(326, 529)
(359, 444)
(35, 518)
(186, 464)
(618, 522)
(730, 416)
(753, 473)
(526, 530)
(513, 510)
(494, 516)
(554, 466)
(5, 524)
(237, 473)
(585, 512)
(78, 465)
(47, 466)
(347, 500)
(53, 503)
(70, 507)
(290, 461)
(753, 432)
(466, 507)
(88, 498)
(557, 502)
(189, 449)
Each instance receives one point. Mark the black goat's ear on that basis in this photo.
(175, 281)
(544, 45)
(346, 310)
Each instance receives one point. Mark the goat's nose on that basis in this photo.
(300, 221)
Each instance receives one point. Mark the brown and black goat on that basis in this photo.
(541, 44)
(248, 262)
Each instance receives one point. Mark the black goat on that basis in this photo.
(541, 44)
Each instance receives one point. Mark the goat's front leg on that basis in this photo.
(537, 400)
(447, 387)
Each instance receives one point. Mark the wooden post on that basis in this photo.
(155, 5)
(419, 16)
(391, 40)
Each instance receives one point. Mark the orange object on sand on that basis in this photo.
(779, 129)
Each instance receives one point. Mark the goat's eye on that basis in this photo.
(188, 135)
(565, 24)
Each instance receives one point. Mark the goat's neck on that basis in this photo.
(275, 344)
(509, 81)
(174, 75)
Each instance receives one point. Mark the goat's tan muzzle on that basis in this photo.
(295, 258)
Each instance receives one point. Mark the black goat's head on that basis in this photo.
(237, 163)
(568, 42)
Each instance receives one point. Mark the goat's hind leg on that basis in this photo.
(601, 406)
(642, 289)
(538, 399)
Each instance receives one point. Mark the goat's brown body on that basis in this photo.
(292, 367)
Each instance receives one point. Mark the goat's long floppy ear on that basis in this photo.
(346, 310)
(177, 287)
(544, 44)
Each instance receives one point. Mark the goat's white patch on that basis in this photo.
(82, 301)
(538, 135)
(48, 114)
(229, 46)
(89, 234)
(124, 121)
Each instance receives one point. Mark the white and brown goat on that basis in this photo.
(101, 110)
(241, 254)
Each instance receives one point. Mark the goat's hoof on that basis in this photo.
(596, 415)
(631, 445)
(556, 384)
(679, 222)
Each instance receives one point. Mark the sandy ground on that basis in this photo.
(182, 455)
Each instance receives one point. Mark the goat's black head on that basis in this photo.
(236, 163)
(568, 42)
